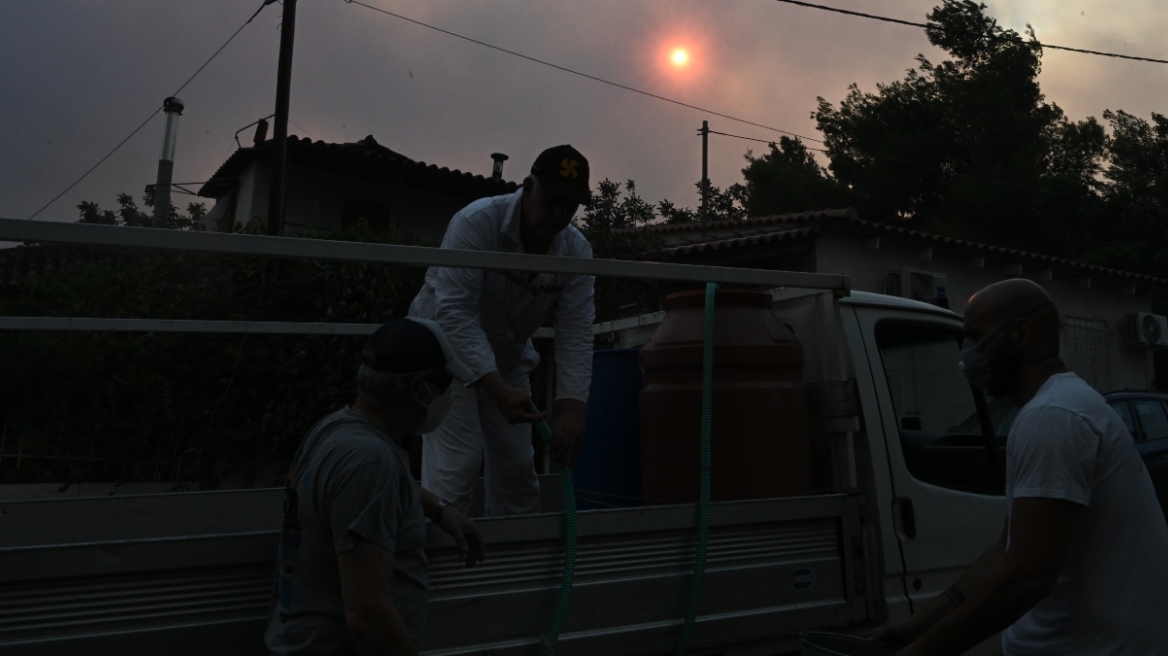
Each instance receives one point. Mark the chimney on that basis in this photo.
(261, 133)
(497, 171)
(173, 108)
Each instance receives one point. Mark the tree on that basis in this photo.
(613, 225)
(128, 213)
(1133, 232)
(968, 147)
(786, 179)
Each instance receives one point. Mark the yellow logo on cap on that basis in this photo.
(569, 170)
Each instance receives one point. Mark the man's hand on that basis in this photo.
(513, 402)
(568, 424)
(471, 546)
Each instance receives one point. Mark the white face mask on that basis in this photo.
(436, 411)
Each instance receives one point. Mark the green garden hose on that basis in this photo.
(550, 638)
(695, 592)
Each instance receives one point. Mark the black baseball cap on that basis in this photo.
(563, 173)
(412, 345)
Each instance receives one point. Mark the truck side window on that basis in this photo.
(940, 430)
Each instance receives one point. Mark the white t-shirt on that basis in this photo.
(1112, 595)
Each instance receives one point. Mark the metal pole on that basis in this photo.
(705, 171)
(21, 230)
(173, 107)
(280, 131)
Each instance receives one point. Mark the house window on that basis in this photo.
(375, 214)
(1085, 351)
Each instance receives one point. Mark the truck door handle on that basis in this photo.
(907, 517)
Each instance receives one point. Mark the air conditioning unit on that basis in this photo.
(1144, 330)
(918, 285)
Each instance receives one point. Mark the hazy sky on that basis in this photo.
(76, 76)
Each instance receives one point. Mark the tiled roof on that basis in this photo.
(365, 158)
(688, 239)
(716, 236)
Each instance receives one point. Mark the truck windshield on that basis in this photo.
(936, 416)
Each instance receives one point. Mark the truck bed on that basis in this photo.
(192, 573)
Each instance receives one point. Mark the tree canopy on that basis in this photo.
(970, 147)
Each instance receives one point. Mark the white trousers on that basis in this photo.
(476, 435)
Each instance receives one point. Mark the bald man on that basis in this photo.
(1082, 563)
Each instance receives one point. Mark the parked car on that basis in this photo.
(1146, 414)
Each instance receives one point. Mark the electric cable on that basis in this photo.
(690, 106)
(900, 21)
(575, 72)
(149, 118)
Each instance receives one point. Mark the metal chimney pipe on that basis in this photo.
(497, 170)
(174, 109)
(261, 133)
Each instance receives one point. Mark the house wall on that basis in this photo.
(316, 198)
(1092, 340)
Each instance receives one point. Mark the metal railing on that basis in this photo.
(295, 247)
(320, 249)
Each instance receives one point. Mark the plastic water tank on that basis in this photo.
(760, 442)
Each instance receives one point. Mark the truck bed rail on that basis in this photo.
(193, 572)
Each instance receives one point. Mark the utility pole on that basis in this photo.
(279, 165)
(173, 107)
(705, 132)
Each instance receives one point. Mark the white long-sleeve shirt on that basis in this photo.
(490, 316)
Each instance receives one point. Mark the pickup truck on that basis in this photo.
(909, 495)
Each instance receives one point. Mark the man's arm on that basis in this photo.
(373, 621)
(1026, 572)
(471, 546)
(904, 631)
(574, 315)
(458, 294)
(513, 402)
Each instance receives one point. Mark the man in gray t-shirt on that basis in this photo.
(351, 572)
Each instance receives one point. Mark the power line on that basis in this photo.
(575, 72)
(769, 142)
(702, 109)
(152, 114)
(898, 21)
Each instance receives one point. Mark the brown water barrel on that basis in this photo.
(760, 440)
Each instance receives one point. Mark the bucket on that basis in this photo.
(819, 643)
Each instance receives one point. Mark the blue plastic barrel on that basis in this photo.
(608, 469)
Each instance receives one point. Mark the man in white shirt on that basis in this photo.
(1082, 563)
(489, 318)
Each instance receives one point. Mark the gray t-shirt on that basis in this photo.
(349, 480)
(1112, 595)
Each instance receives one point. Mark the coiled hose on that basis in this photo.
(551, 637)
(695, 592)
